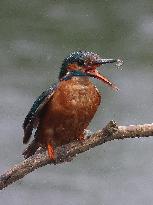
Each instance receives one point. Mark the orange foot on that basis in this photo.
(81, 138)
(51, 152)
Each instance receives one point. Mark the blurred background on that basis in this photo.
(35, 37)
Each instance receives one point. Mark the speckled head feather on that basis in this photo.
(78, 57)
(85, 63)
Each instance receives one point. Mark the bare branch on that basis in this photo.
(68, 152)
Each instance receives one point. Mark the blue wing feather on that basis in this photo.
(33, 115)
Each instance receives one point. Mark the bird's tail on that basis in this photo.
(31, 149)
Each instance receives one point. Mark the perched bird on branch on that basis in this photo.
(62, 112)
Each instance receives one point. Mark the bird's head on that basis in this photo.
(83, 63)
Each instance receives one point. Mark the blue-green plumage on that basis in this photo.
(75, 57)
(31, 118)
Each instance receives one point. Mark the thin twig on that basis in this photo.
(68, 152)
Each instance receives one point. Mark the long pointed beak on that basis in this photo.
(105, 61)
(94, 73)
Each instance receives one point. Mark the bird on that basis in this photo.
(63, 111)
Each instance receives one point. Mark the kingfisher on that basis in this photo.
(63, 111)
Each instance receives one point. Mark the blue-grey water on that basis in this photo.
(35, 36)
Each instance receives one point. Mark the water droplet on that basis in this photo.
(119, 63)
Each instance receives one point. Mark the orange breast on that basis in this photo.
(70, 110)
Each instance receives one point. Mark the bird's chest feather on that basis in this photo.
(76, 98)
(71, 109)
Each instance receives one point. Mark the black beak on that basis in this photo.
(106, 61)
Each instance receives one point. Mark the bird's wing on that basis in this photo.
(32, 119)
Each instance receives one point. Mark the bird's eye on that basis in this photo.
(80, 62)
